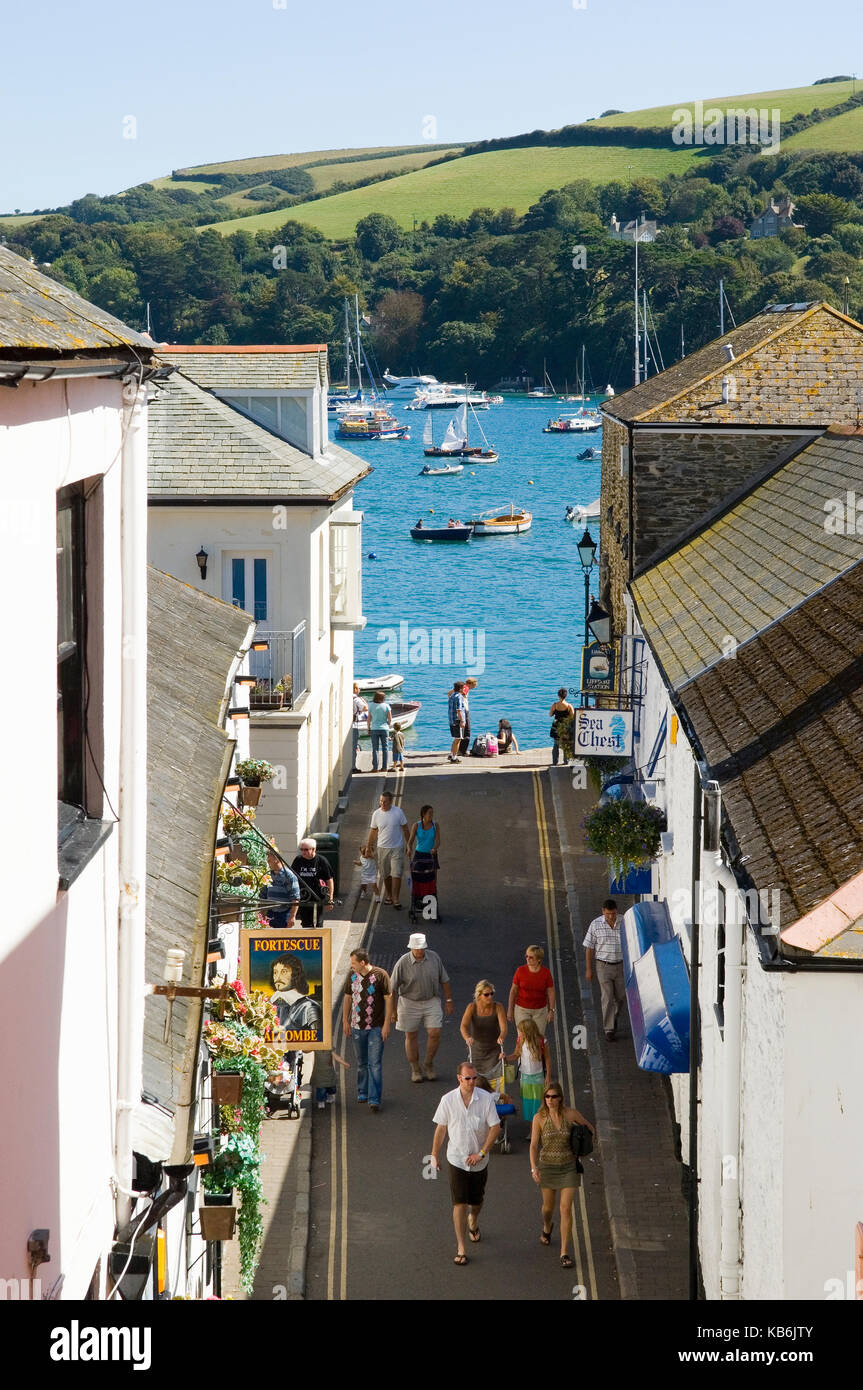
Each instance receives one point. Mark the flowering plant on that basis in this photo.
(254, 771)
(235, 823)
(626, 832)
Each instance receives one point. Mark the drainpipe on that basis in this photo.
(730, 1261)
(694, 1037)
(133, 783)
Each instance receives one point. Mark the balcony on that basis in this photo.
(280, 672)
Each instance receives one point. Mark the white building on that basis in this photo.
(752, 723)
(73, 468)
(251, 503)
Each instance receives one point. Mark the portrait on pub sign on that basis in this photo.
(293, 969)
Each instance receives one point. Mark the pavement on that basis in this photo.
(353, 1211)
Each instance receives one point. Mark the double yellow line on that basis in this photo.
(562, 1036)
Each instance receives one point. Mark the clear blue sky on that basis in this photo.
(222, 79)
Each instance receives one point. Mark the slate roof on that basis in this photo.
(710, 364)
(37, 313)
(276, 366)
(781, 727)
(192, 642)
(201, 447)
(766, 554)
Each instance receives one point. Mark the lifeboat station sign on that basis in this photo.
(603, 733)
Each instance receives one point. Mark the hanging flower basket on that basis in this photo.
(227, 1087)
(217, 1222)
(625, 832)
(250, 796)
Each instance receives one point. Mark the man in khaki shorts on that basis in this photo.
(417, 982)
(388, 839)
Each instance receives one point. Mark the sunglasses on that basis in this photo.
(553, 1095)
(469, 1078)
(488, 994)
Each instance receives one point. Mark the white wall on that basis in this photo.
(57, 952)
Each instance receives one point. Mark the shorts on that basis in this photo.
(413, 1012)
(457, 730)
(391, 863)
(467, 1186)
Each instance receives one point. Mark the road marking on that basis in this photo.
(331, 1253)
(561, 1022)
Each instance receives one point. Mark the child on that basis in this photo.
(324, 1075)
(398, 747)
(369, 876)
(531, 1050)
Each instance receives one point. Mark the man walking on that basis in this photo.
(316, 877)
(417, 982)
(467, 1119)
(457, 719)
(284, 888)
(602, 942)
(360, 722)
(366, 1019)
(388, 839)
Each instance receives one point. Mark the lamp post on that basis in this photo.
(587, 556)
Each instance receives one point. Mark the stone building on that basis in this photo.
(626, 231)
(681, 446)
(778, 215)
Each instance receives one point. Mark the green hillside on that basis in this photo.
(791, 101)
(266, 162)
(501, 178)
(838, 134)
(325, 175)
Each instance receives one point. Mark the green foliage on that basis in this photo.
(254, 771)
(625, 832)
(821, 212)
(377, 234)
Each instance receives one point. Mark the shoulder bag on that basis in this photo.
(580, 1140)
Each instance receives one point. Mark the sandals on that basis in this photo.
(566, 1262)
(475, 1234)
(545, 1236)
(460, 1260)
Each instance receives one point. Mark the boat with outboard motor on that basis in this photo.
(453, 531)
(374, 424)
(582, 422)
(404, 713)
(592, 451)
(582, 513)
(447, 470)
(368, 685)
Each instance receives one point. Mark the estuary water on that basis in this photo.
(513, 605)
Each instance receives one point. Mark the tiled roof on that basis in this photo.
(37, 313)
(781, 727)
(201, 447)
(236, 368)
(192, 642)
(768, 553)
(710, 363)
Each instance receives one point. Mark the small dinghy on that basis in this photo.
(452, 532)
(447, 471)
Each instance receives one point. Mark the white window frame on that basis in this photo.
(346, 572)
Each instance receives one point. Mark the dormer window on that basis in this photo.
(288, 415)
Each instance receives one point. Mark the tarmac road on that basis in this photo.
(381, 1225)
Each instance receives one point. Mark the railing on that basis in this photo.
(280, 672)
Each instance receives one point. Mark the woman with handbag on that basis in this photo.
(558, 1134)
(561, 731)
(484, 1028)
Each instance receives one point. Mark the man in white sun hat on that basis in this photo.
(417, 983)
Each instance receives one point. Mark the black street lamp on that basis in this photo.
(587, 556)
(599, 624)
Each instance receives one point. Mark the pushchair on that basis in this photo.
(424, 895)
(505, 1108)
(282, 1088)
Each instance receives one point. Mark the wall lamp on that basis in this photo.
(238, 712)
(249, 681)
(599, 623)
(202, 557)
(260, 644)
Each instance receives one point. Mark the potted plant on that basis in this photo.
(626, 832)
(254, 772)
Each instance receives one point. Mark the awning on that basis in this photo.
(657, 988)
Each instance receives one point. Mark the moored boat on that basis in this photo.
(582, 513)
(592, 451)
(582, 422)
(376, 424)
(447, 470)
(500, 522)
(368, 685)
(404, 712)
(454, 531)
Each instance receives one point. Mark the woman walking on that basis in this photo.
(425, 835)
(562, 720)
(532, 992)
(484, 1028)
(553, 1165)
(380, 723)
(531, 1051)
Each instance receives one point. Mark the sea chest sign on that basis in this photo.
(603, 733)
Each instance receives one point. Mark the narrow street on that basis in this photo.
(380, 1225)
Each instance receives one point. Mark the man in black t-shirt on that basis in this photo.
(316, 883)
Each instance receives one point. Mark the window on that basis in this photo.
(287, 416)
(70, 646)
(346, 571)
(719, 1009)
(247, 585)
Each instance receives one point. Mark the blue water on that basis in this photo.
(525, 593)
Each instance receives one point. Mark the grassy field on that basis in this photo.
(501, 178)
(838, 133)
(13, 220)
(261, 163)
(790, 100)
(325, 175)
(195, 185)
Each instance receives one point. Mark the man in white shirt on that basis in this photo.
(388, 839)
(602, 946)
(468, 1119)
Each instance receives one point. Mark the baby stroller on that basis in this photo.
(505, 1108)
(424, 896)
(282, 1089)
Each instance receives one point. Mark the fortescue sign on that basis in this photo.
(603, 733)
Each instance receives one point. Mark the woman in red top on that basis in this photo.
(532, 993)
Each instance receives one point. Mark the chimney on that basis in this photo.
(728, 350)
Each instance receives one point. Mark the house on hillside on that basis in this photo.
(778, 215)
(751, 718)
(73, 425)
(679, 445)
(249, 502)
(643, 229)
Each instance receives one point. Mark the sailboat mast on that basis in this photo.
(637, 366)
(359, 349)
(646, 343)
(583, 391)
(347, 349)
(721, 309)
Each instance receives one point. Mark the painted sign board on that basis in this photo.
(293, 969)
(603, 733)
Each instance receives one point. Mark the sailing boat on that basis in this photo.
(582, 393)
(476, 455)
(547, 388)
(450, 445)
